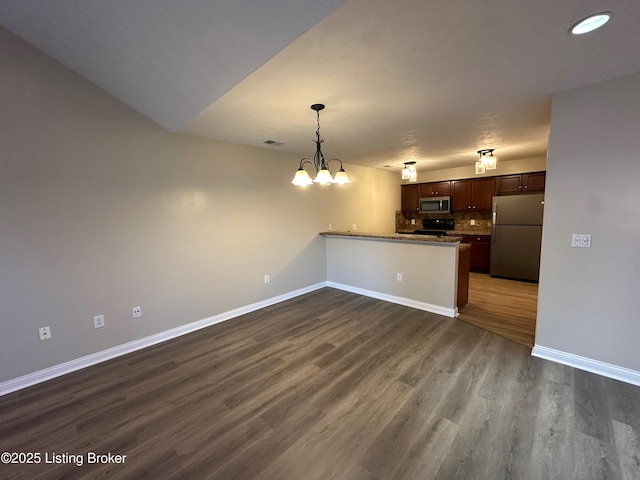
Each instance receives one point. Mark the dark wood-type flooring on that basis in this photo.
(330, 385)
(506, 307)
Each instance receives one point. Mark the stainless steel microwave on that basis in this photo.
(435, 205)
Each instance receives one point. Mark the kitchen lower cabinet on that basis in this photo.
(480, 252)
(463, 276)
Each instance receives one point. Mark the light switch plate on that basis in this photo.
(98, 321)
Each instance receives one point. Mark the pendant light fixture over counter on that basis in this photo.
(322, 174)
(409, 172)
(487, 161)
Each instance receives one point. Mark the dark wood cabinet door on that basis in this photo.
(483, 191)
(461, 195)
(410, 198)
(442, 189)
(426, 190)
(524, 183)
(435, 189)
(533, 182)
(508, 184)
(480, 252)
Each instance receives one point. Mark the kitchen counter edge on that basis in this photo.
(401, 237)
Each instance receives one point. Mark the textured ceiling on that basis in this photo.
(429, 81)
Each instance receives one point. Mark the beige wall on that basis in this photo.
(429, 271)
(102, 210)
(589, 297)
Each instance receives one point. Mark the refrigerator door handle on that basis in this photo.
(493, 223)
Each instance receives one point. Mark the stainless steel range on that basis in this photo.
(436, 226)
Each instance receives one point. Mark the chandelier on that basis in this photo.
(322, 174)
(487, 161)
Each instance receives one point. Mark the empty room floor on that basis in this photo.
(329, 385)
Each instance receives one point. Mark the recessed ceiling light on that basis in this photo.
(590, 23)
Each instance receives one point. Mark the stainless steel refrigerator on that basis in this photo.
(516, 236)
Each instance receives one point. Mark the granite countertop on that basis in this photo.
(469, 232)
(454, 233)
(395, 236)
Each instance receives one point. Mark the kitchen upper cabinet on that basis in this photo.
(435, 189)
(410, 198)
(534, 182)
(508, 184)
(473, 195)
(522, 183)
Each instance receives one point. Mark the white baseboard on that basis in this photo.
(594, 366)
(98, 357)
(428, 307)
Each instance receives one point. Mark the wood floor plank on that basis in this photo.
(330, 385)
(505, 307)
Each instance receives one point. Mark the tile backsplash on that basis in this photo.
(482, 220)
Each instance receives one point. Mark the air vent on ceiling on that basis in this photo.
(272, 142)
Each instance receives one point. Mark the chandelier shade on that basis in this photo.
(409, 172)
(486, 162)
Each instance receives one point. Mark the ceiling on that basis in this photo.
(422, 80)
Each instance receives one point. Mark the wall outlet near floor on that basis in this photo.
(399, 277)
(266, 279)
(98, 321)
(581, 240)
(137, 312)
(45, 333)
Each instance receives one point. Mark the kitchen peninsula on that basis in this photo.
(421, 271)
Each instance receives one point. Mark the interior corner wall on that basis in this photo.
(102, 210)
(371, 209)
(589, 297)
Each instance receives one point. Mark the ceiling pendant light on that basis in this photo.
(323, 175)
(486, 162)
(590, 23)
(409, 172)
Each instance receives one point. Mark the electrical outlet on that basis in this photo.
(45, 333)
(330, 227)
(354, 227)
(413, 221)
(576, 239)
(473, 222)
(399, 277)
(98, 321)
(137, 312)
(266, 279)
(581, 240)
